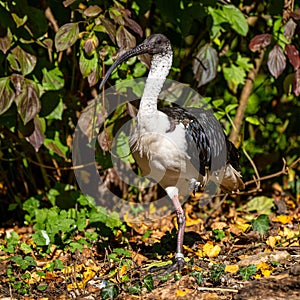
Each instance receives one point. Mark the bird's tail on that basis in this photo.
(232, 180)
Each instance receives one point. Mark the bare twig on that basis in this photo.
(245, 94)
(217, 289)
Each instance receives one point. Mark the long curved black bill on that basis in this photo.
(140, 49)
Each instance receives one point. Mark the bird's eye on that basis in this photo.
(158, 41)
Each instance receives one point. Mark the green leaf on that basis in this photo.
(217, 103)
(110, 292)
(87, 64)
(248, 271)
(261, 204)
(219, 234)
(236, 19)
(56, 146)
(234, 74)
(148, 282)
(25, 248)
(122, 148)
(53, 80)
(261, 224)
(42, 287)
(66, 36)
(135, 289)
(230, 107)
(252, 120)
(21, 60)
(7, 94)
(216, 272)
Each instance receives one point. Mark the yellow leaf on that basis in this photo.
(271, 241)
(210, 250)
(123, 270)
(243, 227)
(231, 268)
(152, 208)
(283, 219)
(265, 269)
(182, 293)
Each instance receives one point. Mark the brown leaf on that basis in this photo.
(259, 42)
(125, 39)
(205, 64)
(36, 139)
(289, 29)
(276, 61)
(27, 99)
(296, 83)
(295, 14)
(110, 28)
(92, 11)
(7, 94)
(293, 56)
(25, 61)
(5, 42)
(134, 26)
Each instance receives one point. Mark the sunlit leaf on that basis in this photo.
(87, 64)
(293, 56)
(205, 64)
(261, 224)
(211, 250)
(66, 36)
(21, 60)
(56, 145)
(253, 120)
(261, 204)
(52, 79)
(236, 19)
(260, 42)
(231, 268)
(276, 61)
(182, 293)
(7, 94)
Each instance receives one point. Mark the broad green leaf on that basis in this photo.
(253, 120)
(110, 292)
(230, 107)
(247, 272)
(217, 103)
(56, 145)
(53, 80)
(261, 224)
(236, 19)
(148, 282)
(66, 36)
(87, 64)
(21, 60)
(234, 74)
(57, 113)
(122, 148)
(261, 204)
(7, 94)
(135, 289)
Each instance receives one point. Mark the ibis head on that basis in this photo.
(154, 44)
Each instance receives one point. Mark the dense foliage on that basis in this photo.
(242, 56)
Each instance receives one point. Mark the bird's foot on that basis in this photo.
(178, 264)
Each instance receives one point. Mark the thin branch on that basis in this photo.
(245, 94)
